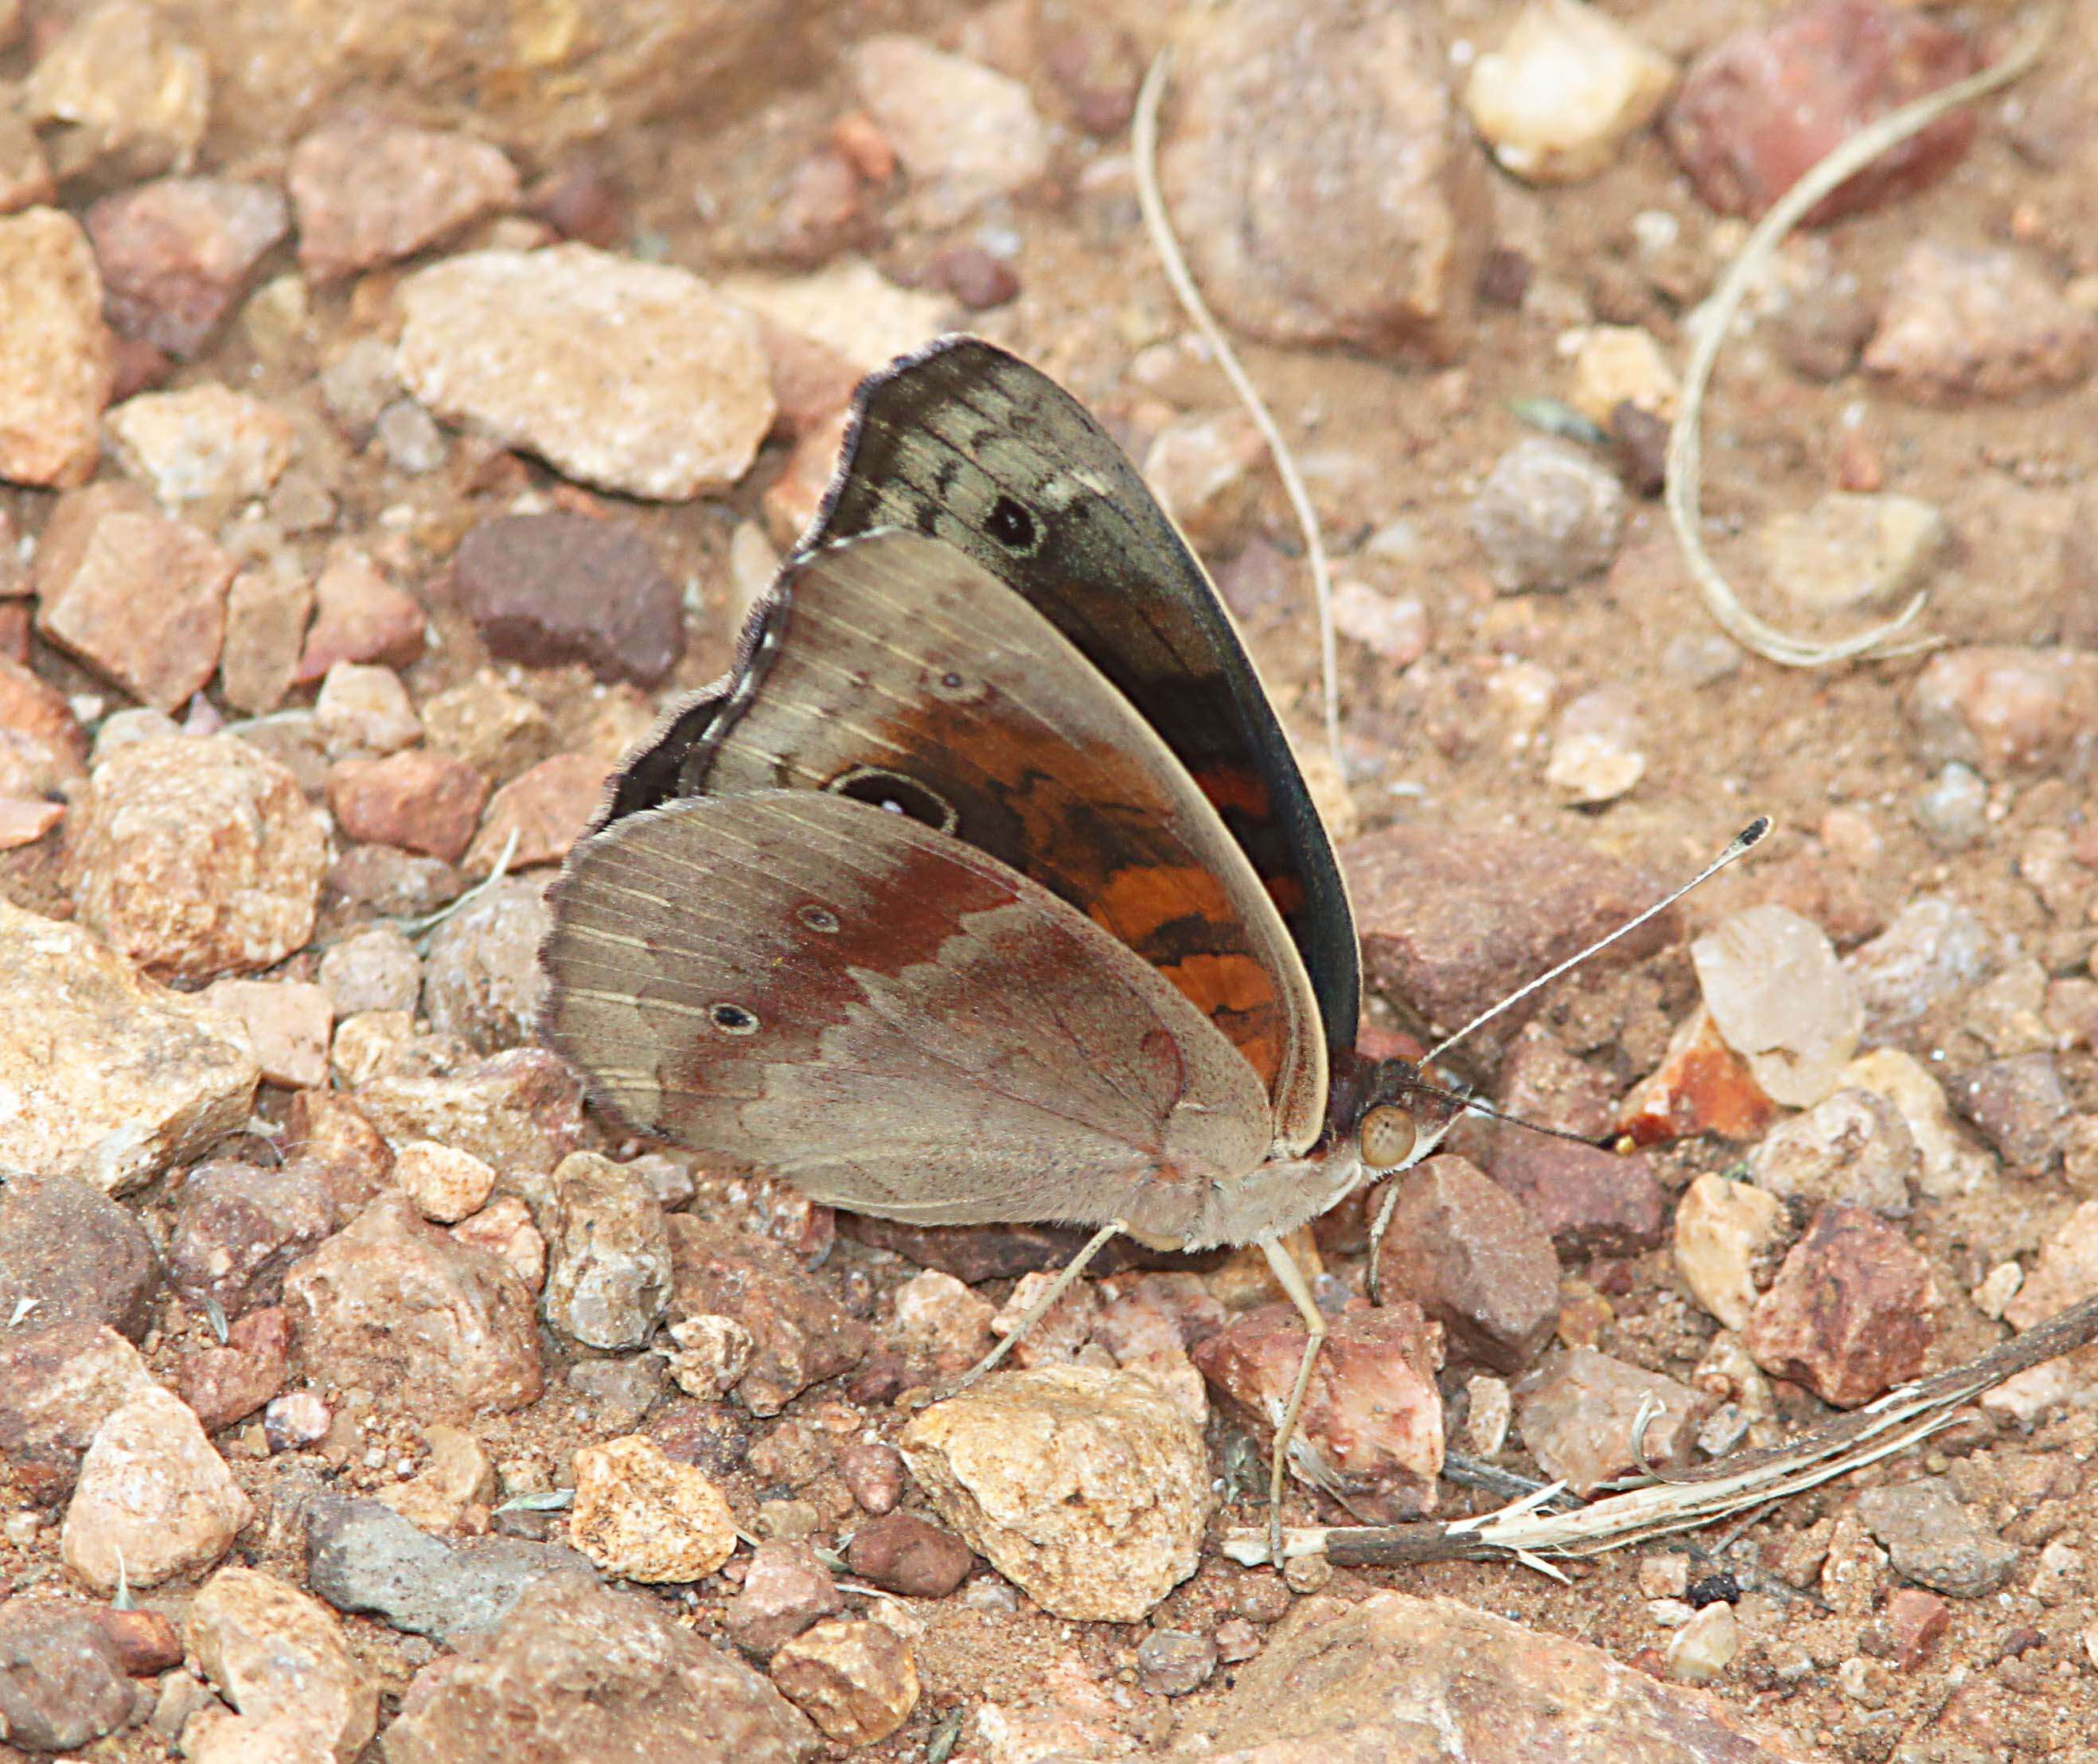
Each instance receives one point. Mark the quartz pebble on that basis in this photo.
(2005, 710)
(1780, 998)
(1359, 222)
(57, 359)
(1723, 1231)
(1704, 1647)
(1087, 1489)
(486, 341)
(1852, 1312)
(1556, 100)
(641, 1516)
(364, 710)
(1547, 516)
(1596, 754)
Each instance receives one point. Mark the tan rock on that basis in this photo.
(58, 361)
(153, 1500)
(1088, 1489)
(201, 443)
(856, 1680)
(446, 1185)
(1722, 1229)
(641, 1516)
(129, 97)
(2066, 1273)
(289, 1023)
(279, 1657)
(456, 1474)
(112, 1078)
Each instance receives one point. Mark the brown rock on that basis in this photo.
(1759, 108)
(1371, 1426)
(1397, 1677)
(800, 1335)
(239, 1227)
(543, 589)
(904, 1554)
(328, 1135)
(489, 726)
(422, 800)
(58, 1384)
(2019, 1105)
(57, 360)
(281, 1659)
(137, 596)
(537, 817)
(62, 1679)
(129, 98)
(1580, 1419)
(579, 1671)
(195, 856)
(1962, 324)
(146, 1641)
(1451, 923)
(267, 610)
(1473, 1257)
(855, 1680)
(227, 1385)
(359, 616)
(25, 174)
(288, 1023)
(70, 1254)
(177, 253)
(369, 192)
(1852, 1312)
(1588, 1201)
(42, 747)
(392, 1303)
(785, 1590)
(1360, 223)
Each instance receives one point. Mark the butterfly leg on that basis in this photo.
(1299, 1289)
(1376, 1239)
(1042, 1305)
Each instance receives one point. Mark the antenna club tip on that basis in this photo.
(1753, 833)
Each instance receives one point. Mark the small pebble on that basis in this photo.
(1175, 1662)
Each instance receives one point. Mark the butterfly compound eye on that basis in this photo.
(1387, 1136)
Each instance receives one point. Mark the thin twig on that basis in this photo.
(1523, 1531)
(1683, 488)
(1144, 149)
(417, 928)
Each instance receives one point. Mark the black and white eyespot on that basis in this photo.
(953, 686)
(817, 918)
(1014, 527)
(733, 1019)
(881, 788)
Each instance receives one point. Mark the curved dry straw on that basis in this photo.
(1683, 483)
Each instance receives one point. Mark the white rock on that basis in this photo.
(1621, 364)
(1558, 98)
(851, 308)
(1705, 1646)
(1596, 754)
(962, 132)
(202, 442)
(1721, 1228)
(1781, 999)
(670, 397)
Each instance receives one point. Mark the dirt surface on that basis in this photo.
(1395, 450)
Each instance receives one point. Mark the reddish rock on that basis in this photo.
(1909, 1627)
(419, 800)
(790, 505)
(1473, 1257)
(1852, 1313)
(42, 746)
(2006, 709)
(1701, 1086)
(1371, 1426)
(1541, 1081)
(176, 254)
(146, 1642)
(784, 1590)
(137, 595)
(368, 192)
(1961, 324)
(392, 1303)
(902, 1552)
(581, 198)
(62, 1679)
(1757, 110)
(237, 1228)
(1580, 1413)
(227, 1385)
(328, 1135)
(57, 1385)
(855, 1680)
(874, 1474)
(1359, 220)
(801, 1334)
(1588, 1201)
(1158, 1314)
(1451, 923)
(69, 1254)
(543, 589)
(545, 810)
(359, 616)
(979, 280)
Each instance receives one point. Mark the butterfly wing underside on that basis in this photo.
(970, 446)
(896, 1022)
(896, 668)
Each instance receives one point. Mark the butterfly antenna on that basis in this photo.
(1472, 1105)
(1143, 154)
(1743, 842)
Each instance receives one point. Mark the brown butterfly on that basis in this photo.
(986, 887)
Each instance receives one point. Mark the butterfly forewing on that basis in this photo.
(896, 670)
(899, 1023)
(970, 445)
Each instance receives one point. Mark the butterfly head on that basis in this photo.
(1392, 1115)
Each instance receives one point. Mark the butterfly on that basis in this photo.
(986, 887)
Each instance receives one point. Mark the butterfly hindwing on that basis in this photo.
(896, 1021)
